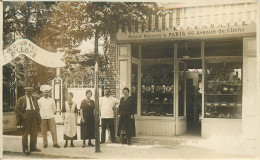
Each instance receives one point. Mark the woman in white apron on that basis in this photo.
(69, 115)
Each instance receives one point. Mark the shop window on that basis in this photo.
(232, 47)
(189, 49)
(157, 68)
(223, 88)
(134, 50)
(134, 82)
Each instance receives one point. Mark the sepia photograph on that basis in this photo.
(171, 79)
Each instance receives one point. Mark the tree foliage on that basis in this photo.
(53, 25)
(24, 20)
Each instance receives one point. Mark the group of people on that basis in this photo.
(32, 113)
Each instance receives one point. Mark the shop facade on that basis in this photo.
(193, 69)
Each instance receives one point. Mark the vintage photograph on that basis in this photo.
(175, 79)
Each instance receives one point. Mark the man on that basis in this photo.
(107, 106)
(27, 110)
(47, 110)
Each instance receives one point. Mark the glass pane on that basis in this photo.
(157, 50)
(224, 48)
(189, 49)
(134, 84)
(223, 88)
(182, 82)
(134, 50)
(157, 80)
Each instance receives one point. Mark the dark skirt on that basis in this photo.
(87, 130)
(126, 124)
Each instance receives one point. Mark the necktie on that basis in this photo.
(31, 104)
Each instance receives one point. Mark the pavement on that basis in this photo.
(143, 147)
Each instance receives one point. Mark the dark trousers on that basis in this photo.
(29, 127)
(110, 123)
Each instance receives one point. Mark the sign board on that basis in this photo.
(80, 93)
(32, 51)
(188, 33)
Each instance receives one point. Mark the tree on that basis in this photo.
(24, 20)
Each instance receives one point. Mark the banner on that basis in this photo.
(32, 51)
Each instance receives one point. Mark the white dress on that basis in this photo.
(70, 121)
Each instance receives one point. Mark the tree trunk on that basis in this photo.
(97, 135)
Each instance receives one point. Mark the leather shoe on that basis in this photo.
(26, 152)
(90, 144)
(56, 146)
(35, 150)
(72, 145)
(45, 146)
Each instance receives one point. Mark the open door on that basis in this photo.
(188, 98)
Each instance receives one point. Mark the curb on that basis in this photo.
(41, 155)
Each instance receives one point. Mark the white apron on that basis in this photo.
(70, 123)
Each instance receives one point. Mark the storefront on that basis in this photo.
(191, 70)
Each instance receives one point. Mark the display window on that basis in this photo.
(223, 84)
(157, 86)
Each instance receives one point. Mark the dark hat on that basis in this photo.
(28, 88)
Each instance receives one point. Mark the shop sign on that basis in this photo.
(188, 33)
(32, 51)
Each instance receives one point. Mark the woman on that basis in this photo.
(87, 126)
(126, 121)
(69, 115)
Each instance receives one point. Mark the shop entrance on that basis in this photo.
(191, 96)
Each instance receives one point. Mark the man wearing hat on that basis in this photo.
(27, 110)
(47, 110)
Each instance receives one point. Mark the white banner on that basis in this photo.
(32, 51)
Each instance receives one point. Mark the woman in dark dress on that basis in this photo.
(87, 126)
(126, 127)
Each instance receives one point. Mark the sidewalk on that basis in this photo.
(186, 148)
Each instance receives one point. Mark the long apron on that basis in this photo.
(70, 123)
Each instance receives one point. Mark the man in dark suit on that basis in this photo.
(27, 110)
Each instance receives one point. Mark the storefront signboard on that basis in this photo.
(32, 51)
(188, 33)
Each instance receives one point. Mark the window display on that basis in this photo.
(223, 88)
(157, 90)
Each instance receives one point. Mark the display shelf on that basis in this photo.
(157, 103)
(212, 94)
(146, 92)
(223, 105)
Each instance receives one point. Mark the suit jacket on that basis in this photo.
(20, 109)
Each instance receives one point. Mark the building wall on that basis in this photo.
(111, 75)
